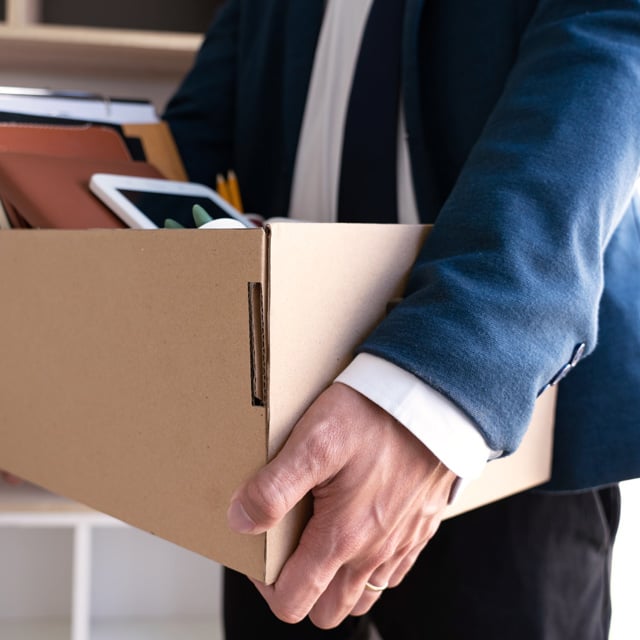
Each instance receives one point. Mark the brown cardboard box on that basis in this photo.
(147, 373)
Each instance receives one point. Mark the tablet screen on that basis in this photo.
(160, 206)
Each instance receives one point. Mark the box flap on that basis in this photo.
(125, 379)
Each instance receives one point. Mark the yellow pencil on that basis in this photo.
(222, 188)
(234, 190)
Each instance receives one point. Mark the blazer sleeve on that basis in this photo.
(201, 112)
(508, 284)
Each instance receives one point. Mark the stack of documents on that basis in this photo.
(74, 105)
(52, 141)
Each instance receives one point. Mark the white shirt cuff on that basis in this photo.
(436, 421)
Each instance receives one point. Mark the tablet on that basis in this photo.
(145, 203)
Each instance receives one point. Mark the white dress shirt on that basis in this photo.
(431, 417)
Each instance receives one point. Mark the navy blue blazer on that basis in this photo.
(523, 119)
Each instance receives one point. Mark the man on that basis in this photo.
(518, 133)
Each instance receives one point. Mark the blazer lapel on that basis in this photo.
(425, 188)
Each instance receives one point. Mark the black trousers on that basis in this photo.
(535, 566)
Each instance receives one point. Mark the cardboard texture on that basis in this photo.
(147, 373)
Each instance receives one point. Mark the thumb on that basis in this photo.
(269, 495)
(274, 490)
(311, 455)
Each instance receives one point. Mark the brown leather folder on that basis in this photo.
(63, 141)
(49, 192)
(85, 141)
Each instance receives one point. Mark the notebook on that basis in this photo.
(49, 192)
(87, 141)
(81, 131)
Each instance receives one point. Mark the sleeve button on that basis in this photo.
(578, 353)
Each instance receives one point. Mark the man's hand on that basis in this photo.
(378, 496)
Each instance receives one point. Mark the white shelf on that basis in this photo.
(118, 62)
(77, 574)
(99, 49)
(26, 505)
(27, 41)
(69, 572)
(35, 629)
(159, 629)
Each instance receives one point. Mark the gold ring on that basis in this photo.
(375, 587)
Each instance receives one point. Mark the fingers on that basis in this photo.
(354, 593)
(326, 576)
(387, 576)
(368, 523)
(368, 598)
(314, 577)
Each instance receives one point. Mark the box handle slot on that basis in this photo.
(257, 345)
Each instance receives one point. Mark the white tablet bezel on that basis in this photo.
(107, 186)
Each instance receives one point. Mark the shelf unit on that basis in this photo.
(137, 62)
(26, 37)
(70, 573)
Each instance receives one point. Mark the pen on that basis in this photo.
(234, 190)
(222, 188)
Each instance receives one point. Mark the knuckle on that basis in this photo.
(321, 447)
(325, 622)
(329, 613)
(267, 497)
(429, 510)
(394, 542)
(343, 543)
(378, 556)
(432, 529)
(289, 615)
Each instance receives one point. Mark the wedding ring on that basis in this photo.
(375, 587)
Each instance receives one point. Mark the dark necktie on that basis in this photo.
(367, 190)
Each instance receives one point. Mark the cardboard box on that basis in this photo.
(148, 373)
